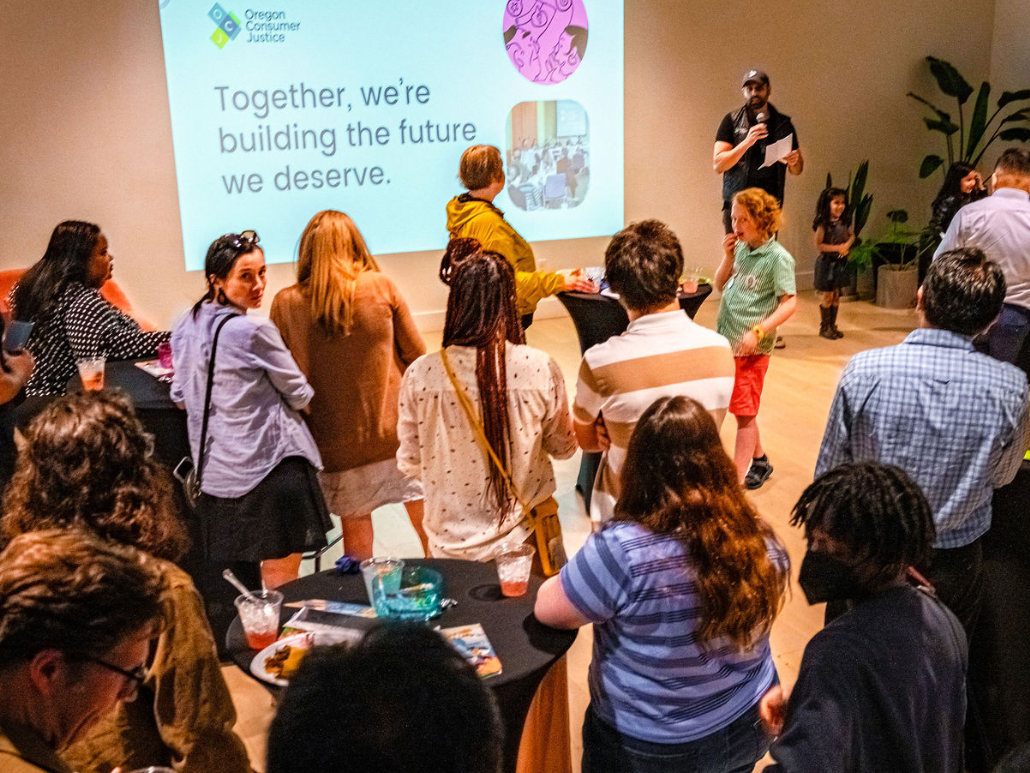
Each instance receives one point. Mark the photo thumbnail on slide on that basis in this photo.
(283, 110)
(548, 153)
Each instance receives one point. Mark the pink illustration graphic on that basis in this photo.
(546, 39)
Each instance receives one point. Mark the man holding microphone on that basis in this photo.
(741, 141)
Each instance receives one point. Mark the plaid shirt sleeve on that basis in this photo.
(836, 446)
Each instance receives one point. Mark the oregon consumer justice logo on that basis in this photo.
(228, 25)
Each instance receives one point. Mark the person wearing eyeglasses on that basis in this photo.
(258, 462)
(77, 616)
(61, 295)
(88, 465)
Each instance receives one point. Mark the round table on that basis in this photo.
(525, 647)
(597, 317)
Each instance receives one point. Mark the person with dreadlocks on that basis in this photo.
(517, 395)
(681, 587)
(882, 687)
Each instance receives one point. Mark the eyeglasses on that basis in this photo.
(246, 240)
(136, 676)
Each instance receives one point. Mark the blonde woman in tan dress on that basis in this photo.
(352, 335)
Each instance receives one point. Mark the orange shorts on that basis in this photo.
(748, 383)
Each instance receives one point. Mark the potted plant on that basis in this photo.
(895, 255)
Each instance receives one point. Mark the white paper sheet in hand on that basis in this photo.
(777, 151)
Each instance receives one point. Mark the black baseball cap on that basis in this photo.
(754, 75)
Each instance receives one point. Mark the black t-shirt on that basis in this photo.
(881, 688)
(746, 172)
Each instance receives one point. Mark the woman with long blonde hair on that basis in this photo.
(682, 587)
(352, 335)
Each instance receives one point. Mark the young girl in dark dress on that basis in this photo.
(833, 238)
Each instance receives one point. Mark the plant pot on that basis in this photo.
(896, 288)
(865, 284)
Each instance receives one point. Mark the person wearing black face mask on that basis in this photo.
(881, 687)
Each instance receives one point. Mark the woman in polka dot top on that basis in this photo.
(61, 294)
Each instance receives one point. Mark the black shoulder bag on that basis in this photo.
(186, 472)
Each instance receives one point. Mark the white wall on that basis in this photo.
(85, 133)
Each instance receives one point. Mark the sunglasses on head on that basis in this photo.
(245, 240)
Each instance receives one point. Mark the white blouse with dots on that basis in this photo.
(438, 447)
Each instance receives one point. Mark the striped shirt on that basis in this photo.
(955, 420)
(650, 678)
(761, 276)
(659, 355)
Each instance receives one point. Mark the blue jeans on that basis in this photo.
(733, 749)
(1004, 339)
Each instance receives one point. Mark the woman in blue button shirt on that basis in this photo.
(261, 500)
(682, 587)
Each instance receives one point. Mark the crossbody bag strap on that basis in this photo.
(477, 427)
(207, 398)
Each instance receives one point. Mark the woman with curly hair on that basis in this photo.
(682, 587)
(756, 279)
(87, 464)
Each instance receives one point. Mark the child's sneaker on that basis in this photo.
(758, 473)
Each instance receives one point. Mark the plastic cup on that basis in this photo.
(91, 371)
(389, 570)
(690, 279)
(164, 355)
(513, 569)
(260, 618)
(418, 597)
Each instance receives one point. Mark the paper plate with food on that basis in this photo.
(278, 662)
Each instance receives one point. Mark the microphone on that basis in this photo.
(761, 117)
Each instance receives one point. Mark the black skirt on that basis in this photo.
(831, 273)
(284, 514)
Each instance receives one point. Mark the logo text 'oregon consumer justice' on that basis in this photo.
(228, 25)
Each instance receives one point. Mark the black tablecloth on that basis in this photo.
(167, 423)
(597, 318)
(999, 656)
(526, 648)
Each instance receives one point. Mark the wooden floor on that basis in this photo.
(795, 403)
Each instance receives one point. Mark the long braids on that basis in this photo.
(481, 313)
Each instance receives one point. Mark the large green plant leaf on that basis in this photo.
(940, 113)
(978, 123)
(1018, 134)
(1013, 96)
(1019, 115)
(944, 127)
(949, 80)
(858, 184)
(930, 165)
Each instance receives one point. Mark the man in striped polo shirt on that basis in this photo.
(662, 353)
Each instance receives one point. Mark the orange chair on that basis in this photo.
(112, 293)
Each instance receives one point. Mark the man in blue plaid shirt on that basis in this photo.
(954, 419)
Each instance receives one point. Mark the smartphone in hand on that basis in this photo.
(17, 335)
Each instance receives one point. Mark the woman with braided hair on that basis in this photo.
(882, 686)
(519, 395)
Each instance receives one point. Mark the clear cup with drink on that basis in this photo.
(91, 372)
(389, 571)
(513, 569)
(259, 614)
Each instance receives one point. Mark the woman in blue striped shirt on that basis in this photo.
(682, 587)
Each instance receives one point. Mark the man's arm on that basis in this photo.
(836, 446)
(795, 161)
(725, 156)
(586, 412)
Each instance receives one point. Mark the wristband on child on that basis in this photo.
(759, 331)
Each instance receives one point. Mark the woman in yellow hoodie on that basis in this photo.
(473, 215)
